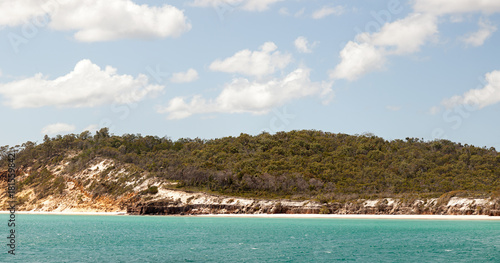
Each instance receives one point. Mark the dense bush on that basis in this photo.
(304, 163)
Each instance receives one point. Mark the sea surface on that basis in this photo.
(79, 238)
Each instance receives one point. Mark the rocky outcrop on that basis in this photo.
(166, 208)
(388, 206)
(96, 188)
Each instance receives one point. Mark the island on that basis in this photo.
(295, 172)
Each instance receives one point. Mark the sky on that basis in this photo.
(207, 69)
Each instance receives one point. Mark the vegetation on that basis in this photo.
(151, 190)
(295, 164)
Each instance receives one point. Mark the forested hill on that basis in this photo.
(295, 164)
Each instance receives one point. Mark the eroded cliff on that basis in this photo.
(104, 185)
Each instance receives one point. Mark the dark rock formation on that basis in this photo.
(170, 208)
(382, 207)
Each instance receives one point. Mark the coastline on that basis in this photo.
(311, 216)
(64, 213)
(362, 216)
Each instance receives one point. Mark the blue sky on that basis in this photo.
(212, 68)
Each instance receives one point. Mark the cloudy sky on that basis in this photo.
(212, 68)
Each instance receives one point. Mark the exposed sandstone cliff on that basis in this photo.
(172, 202)
(106, 186)
(50, 189)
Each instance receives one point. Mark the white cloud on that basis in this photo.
(326, 11)
(440, 7)
(477, 38)
(480, 97)
(258, 5)
(99, 20)
(14, 13)
(242, 95)
(254, 63)
(91, 128)
(358, 59)
(57, 128)
(248, 5)
(369, 51)
(303, 46)
(86, 86)
(184, 77)
(104, 20)
(406, 35)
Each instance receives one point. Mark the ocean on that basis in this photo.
(82, 238)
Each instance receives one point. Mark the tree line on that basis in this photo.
(295, 164)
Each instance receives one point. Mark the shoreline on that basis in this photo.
(305, 216)
(63, 213)
(360, 216)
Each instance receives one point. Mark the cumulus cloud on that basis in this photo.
(440, 7)
(258, 5)
(257, 97)
(86, 86)
(103, 20)
(184, 77)
(406, 35)
(248, 5)
(57, 128)
(254, 63)
(477, 38)
(326, 11)
(13, 13)
(358, 59)
(91, 128)
(480, 97)
(369, 51)
(303, 46)
(99, 20)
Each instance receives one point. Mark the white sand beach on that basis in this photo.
(427, 217)
(329, 216)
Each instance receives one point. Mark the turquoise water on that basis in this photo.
(65, 238)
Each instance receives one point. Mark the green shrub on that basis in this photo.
(151, 190)
(324, 210)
